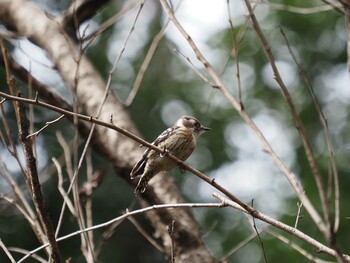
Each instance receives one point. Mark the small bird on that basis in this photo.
(179, 140)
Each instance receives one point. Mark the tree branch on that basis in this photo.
(32, 174)
(79, 12)
(246, 117)
(122, 217)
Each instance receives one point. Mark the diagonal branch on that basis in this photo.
(298, 123)
(245, 116)
(233, 202)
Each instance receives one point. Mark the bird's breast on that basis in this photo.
(183, 143)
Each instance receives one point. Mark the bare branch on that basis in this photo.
(306, 10)
(7, 252)
(241, 244)
(62, 191)
(324, 122)
(47, 124)
(23, 251)
(299, 125)
(143, 232)
(298, 248)
(122, 217)
(259, 238)
(171, 234)
(291, 230)
(245, 116)
(22, 204)
(34, 182)
(78, 12)
(300, 205)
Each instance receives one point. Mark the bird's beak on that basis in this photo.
(204, 129)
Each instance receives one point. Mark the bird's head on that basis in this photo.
(192, 124)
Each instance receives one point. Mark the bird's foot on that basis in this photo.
(165, 152)
(182, 168)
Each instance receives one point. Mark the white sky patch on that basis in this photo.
(198, 15)
(172, 110)
(336, 83)
(201, 19)
(12, 164)
(277, 134)
(139, 36)
(35, 60)
(286, 70)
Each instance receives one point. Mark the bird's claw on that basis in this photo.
(165, 152)
(182, 168)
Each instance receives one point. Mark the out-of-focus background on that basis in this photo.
(171, 87)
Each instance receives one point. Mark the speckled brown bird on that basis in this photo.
(179, 140)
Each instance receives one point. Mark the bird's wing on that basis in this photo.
(141, 164)
(165, 134)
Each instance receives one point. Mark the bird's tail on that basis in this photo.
(142, 184)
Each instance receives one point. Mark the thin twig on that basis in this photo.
(69, 169)
(88, 202)
(300, 205)
(7, 252)
(286, 228)
(194, 68)
(61, 189)
(94, 182)
(123, 216)
(333, 166)
(241, 244)
(13, 150)
(305, 10)
(18, 206)
(258, 235)
(47, 124)
(307, 145)
(298, 248)
(245, 116)
(143, 232)
(236, 51)
(140, 74)
(111, 72)
(109, 23)
(171, 234)
(108, 233)
(22, 204)
(24, 251)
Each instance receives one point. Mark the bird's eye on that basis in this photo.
(197, 124)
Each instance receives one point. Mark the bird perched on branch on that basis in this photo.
(179, 140)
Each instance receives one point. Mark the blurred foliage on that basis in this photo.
(169, 87)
